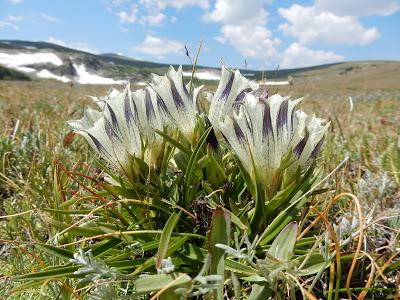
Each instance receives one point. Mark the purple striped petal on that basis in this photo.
(267, 123)
(150, 113)
(317, 149)
(176, 96)
(298, 150)
(281, 120)
(98, 145)
(225, 93)
(127, 110)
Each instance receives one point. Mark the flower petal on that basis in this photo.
(231, 91)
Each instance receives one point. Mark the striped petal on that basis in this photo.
(149, 119)
(113, 132)
(175, 103)
(110, 149)
(231, 91)
(266, 130)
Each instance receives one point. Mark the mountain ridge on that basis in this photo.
(68, 64)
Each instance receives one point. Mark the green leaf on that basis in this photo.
(59, 252)
(173, 141)
(260, 292)
(152, 283)
(258, 213)
(315, 263)
(192, 163)
(171, 249)
(219, 234)
(165, 237)
(239, 268)
(51, 272)
(245, 175)
(76, 230)
(198, 254)
(282, 247)
(284, 218)
(102, 248)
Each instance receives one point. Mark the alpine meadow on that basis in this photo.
(178, 172)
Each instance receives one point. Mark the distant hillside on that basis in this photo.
(9, 74)
(50, 61)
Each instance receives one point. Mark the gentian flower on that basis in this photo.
(125, 126)
(230, 93)
(177, 105)
(265, 131)
(113, 132)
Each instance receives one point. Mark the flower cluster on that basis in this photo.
(125, 127)
(260, 130)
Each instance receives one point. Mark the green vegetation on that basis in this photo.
(8, 74)
(189, 230)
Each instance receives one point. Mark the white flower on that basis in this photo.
(149, 119)
(231, 91)
(125, 126)
(176, 104)
(266, 130)
(113, 132)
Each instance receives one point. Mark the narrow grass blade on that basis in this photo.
(165, 237)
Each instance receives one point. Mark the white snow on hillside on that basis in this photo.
(19, 60)
(202, 75)
(84, 77)
(47, 74)
(26, 69)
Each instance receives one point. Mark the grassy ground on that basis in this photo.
(34, 148)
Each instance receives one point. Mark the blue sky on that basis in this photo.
(265, 33)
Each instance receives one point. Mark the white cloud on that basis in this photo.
(12, 18)
(9, 22)
(118, 2)
(153, 19)
(309, 25)
(159, 47)
(220, 39)
(297, 55)
(82, 46)
(154, 9)
(251, 40)
(244, 26)
(359, 7)
(5, 24)
(237, 11)
(178, 4)
(15, 1)
(49, 18)
(173, 19)
(128, 17)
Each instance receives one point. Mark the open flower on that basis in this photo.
(231, 92)
(113, 132)
(267, 130)
(176, 104)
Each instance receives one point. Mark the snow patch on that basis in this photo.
(203, 75)
(19, 60)
(47, 74)
(84, 77)
(25, 69)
